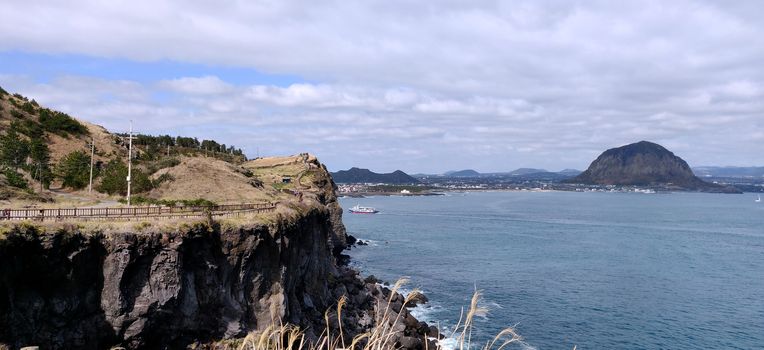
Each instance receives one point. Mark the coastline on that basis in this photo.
(387, 194)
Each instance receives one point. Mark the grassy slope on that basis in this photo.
(200, 174)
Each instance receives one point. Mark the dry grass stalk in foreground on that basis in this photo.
(381, 337)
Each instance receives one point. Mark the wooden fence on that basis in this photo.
(132, 212)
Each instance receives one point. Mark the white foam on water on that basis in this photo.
(370, 242)
(452, 343)
(448, 343)
(426, 313)
(429, 311)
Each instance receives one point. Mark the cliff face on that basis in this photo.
(69, 289)
(643, 164)
(70, 286)
(328, 197)
(77, 286)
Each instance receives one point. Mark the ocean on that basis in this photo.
(594, 270)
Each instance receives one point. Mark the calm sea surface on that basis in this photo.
(596, 270)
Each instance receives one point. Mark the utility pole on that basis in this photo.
(129, 161)
(92, 155)
(40, 175)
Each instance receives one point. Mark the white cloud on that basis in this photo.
(208, 85)
(454, 80)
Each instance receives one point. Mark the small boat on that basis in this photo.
(363, 210)
(758, 199)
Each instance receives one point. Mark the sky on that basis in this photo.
(422, 86)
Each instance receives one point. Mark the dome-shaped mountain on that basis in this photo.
(357, 175)
(643, 164)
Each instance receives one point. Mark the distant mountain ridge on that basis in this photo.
(517, 172)
(358, 175)
(643, 164)
(570, 172)
(463, 173)
(728, 171)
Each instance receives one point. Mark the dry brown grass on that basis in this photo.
(381, 337)
(211, 179)
(61, 146)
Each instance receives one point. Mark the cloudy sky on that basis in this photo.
(419, 86)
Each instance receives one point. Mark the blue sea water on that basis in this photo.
(594, 270)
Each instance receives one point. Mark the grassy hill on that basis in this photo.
(44, 153)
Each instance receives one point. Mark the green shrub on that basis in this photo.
(40, 156)
(115, 179)
(60, 123)
(140, 200)
(166, 177)
(3, 92)
(13, 149)
(198, 202)
(74, 170)
(15, 179)
(16, 114)
(161, 164)
(141, 182)
(28, 127)
(28, 107)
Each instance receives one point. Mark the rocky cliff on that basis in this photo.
(644, 164)
(189, 283)
(71, 289)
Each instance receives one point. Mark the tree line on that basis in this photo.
(185, 142)
(24, 148)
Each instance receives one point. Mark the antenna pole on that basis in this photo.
(129, 161)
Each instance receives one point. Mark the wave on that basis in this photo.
(370, 242)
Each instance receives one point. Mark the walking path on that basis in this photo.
(129, 213)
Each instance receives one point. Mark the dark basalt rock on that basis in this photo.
(69, 289)
(644, 164)
(161, 290)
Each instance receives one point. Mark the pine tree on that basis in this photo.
(74, 170)
(13, 150)
(40, 156)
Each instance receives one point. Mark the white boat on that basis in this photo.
(363, 210)
(758, 199)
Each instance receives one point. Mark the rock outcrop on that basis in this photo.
(70, 289)
(644, 164)
(66, 286)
